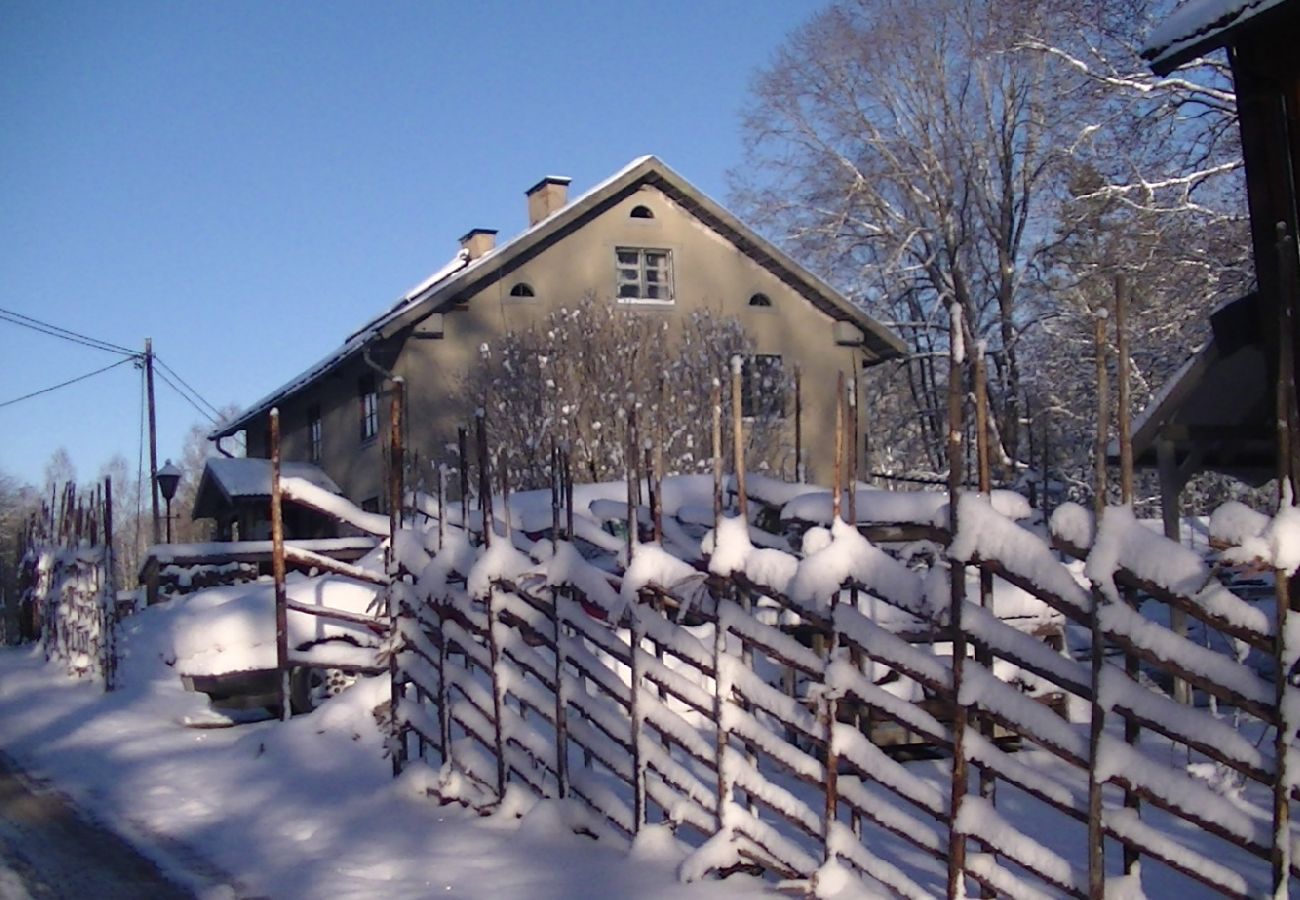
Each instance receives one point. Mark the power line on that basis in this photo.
(66, 334)
(186, 397)
(65, 383)
(216, 412)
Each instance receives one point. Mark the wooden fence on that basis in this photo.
(758, 744)
(65, 581)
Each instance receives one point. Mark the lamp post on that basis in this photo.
(168, 478)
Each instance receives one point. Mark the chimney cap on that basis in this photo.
(476, 231)
(549, 179)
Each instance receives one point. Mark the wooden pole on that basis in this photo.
(153, 436)
(462, 445)
(716, 403)
(1122, 398)
(110, 601)
(1132, 733)
(396, 494)
(738, 435)
(629, 473)
(800, 473)
(277, 573)
(837, 481)
(983, 656)
(568, 491)
(957, 599)
(484, 477)
(1103, 416)
(634, 716)
(1280, 855)
(396, 457)
(442, 505)
(851, 445)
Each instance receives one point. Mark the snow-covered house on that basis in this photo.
(1219, 412)
(644, 238)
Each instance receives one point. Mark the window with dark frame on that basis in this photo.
(761, 396)
(522, 289)
(644, 275)
(315, 433)
(369, 399)
(760, 299)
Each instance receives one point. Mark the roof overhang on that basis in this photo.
(1215, 413)
(1199, 27)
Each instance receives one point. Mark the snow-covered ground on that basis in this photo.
(307, 809)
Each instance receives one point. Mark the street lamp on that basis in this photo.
(168, 478)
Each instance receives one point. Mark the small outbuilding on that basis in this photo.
(237, 494)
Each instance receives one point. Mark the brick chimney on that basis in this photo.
(545, 197)
(478, 241)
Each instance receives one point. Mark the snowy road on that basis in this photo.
(48, 851)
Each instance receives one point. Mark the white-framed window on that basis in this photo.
(762, 394)
(368, 396)
(315, 433)
(644, 275)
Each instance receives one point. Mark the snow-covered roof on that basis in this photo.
(245, 479)
(450, 281)
(1198, 26)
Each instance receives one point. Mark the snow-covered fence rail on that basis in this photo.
(65, 577)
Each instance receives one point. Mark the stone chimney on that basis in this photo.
(545, 197)
(478, 241)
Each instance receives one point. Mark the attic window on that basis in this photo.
(641, 212)
(760, 300)
(522, 289)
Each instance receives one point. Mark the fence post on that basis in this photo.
(1280, 858)
(277, 572)
(738, 435)
(830, 710)
(561, 701)
(1096, 852)
(721, 687)
(494, 649)
(634, 714)
(957, 599)
(396, 494)
(110, 590)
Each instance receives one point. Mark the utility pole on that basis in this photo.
(153, 437)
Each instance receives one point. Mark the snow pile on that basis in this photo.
(984, 533)
(232, 629)
(1073, 524)
(731, 551)
(1234, 523)
(1277, 544)
(653, 566)
(850, 557)
(1124, 543)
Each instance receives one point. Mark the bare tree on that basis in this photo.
(1003, 161)
(578, 377)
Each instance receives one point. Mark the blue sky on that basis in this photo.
(248, 182)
